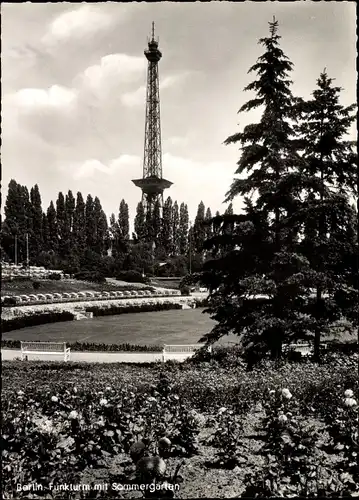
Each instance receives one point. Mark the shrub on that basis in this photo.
(54, 276)
(36, 285)
(185, 290)
(108, 311)
(34, 320)
(9, 301)
(93, 347)
(95, 277)
(131, 277)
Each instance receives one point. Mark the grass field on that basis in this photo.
(17, 287)
(153, 328)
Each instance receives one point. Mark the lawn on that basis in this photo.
(24, 287)
(144, 328)
(152, 328)
(74, 424)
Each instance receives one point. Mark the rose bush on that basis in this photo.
(63, 419)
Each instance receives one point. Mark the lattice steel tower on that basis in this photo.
(152, 184)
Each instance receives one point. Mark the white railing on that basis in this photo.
(181, 349)
(46, 348)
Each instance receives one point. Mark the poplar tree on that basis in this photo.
(156, 223)
(61, 225)
(167, 224)
(183, 229)
(36, 242)
(175, 228)
(199, 230)
(140, 222)
(53, 244)
(124, 221)
(101, 229)
(79, 225)
(90, 223)
(208, 224)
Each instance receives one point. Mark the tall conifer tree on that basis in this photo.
(253, 291)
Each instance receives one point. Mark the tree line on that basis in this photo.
(74, 234)
(286, 268)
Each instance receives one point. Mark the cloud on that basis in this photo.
(90, 167)
(190, 177)
(78, 23)
(138, 96)
(135, 98)
(112, 70)
(177, 141)
(54, 97)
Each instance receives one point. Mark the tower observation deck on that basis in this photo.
(152, 183)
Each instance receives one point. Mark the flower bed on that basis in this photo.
(61, 421)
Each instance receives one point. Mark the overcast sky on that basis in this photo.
(73, 89)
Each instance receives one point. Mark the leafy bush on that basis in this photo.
(185, 290)
(35, 320)
(131, 277)
(8, 301)
(114, 309)
(95, 277)
(36, 285)
(54, 276)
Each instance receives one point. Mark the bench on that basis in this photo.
(304, 348)
(181, 349)
(58, 348)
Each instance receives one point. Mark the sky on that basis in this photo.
(73, 90)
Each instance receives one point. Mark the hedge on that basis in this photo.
(112, 310)
(35, 320)
(131, 277)
(92, 347)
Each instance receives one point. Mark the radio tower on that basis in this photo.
(152, 184)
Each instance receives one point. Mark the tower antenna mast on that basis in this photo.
(152, 183)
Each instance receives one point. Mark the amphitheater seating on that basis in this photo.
(56, 348)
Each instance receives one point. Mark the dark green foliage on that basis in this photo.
(95, 277)
(131, 277)
(54, 276)
(123, 221)
(199, 229)
(61, 225)
(326, 220)
(79, 228)
(167, 225)
(90, 223)
(92, 347)
(185, 290)
(36, 240)
(176, 229)
(36, 285)
(8, 301)
(259, 281)
(140, 222)
(35, 320)
(53, 240)
(156, 224)
(98, 311)
(183, 229)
